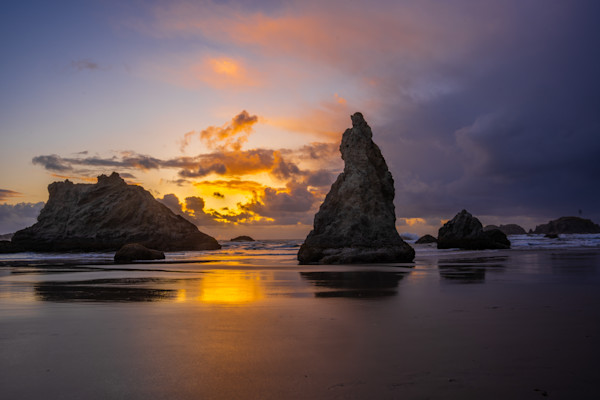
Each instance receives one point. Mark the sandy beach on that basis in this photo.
(519, 324)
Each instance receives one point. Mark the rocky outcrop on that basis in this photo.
(426, 239)
(6, 246)
(508, 229)
(356, 222)
(466, 232)
(242, 239)
(568, 225)
(136, 252)
(106, 216)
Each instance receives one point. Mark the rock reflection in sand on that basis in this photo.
(355, 284)
(469, 270)
(105, 290)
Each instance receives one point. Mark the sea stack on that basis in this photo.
(357, 221)
(464, 231)
(106, 216)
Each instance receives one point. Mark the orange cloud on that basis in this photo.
(231, 135)
(223, 72)
(413, 221)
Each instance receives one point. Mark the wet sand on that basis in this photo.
(466, 325)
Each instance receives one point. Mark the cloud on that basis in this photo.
(5, 194)
(52, 163)
(230, 136)
(84, 64)
(490, 105)
(18, 216)
(289, 206)
(192, 209)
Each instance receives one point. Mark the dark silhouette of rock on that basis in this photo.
(6, 246)
(242, 239)
(135, 251)
(466, 232)
(426, 239)
(551, 235)
(568, 225)
(508, 229)
(106, 216)
(356, 222)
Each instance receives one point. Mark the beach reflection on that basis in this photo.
(228, 287)
(355, 284)
(469, 270)
(89, 291)
(232, 287)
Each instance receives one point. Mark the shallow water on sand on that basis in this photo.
(248, 322)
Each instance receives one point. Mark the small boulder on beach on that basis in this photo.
(136, 252)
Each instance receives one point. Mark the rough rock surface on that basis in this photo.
(426, 239)
(242, 239)
(106, 216)
(508, 229)
(356, 222)
(466, 232)
(135, 251)
(568, 225)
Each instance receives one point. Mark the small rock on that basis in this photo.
(426, 239)
(242, 239)
(136, 252)
(466, 232)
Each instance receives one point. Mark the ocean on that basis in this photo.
(248, 322)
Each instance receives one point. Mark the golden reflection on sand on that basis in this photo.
(229, 287)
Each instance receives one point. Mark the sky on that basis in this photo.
(231, 112)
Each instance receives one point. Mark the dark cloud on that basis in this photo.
(218, 195)
(18, 216)
(84, 64)
(295, 205)
(194, 209)
(280, 163)
(516, 130)
(5, 194)
(52, 163)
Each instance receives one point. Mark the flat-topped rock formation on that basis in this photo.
(465, 231)
(508, 229)
(356, 222)
(568, 225)
(106, 216)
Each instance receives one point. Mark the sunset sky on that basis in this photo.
(231, 112)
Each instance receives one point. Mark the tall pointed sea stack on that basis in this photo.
(357, 221)
(105, 216)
